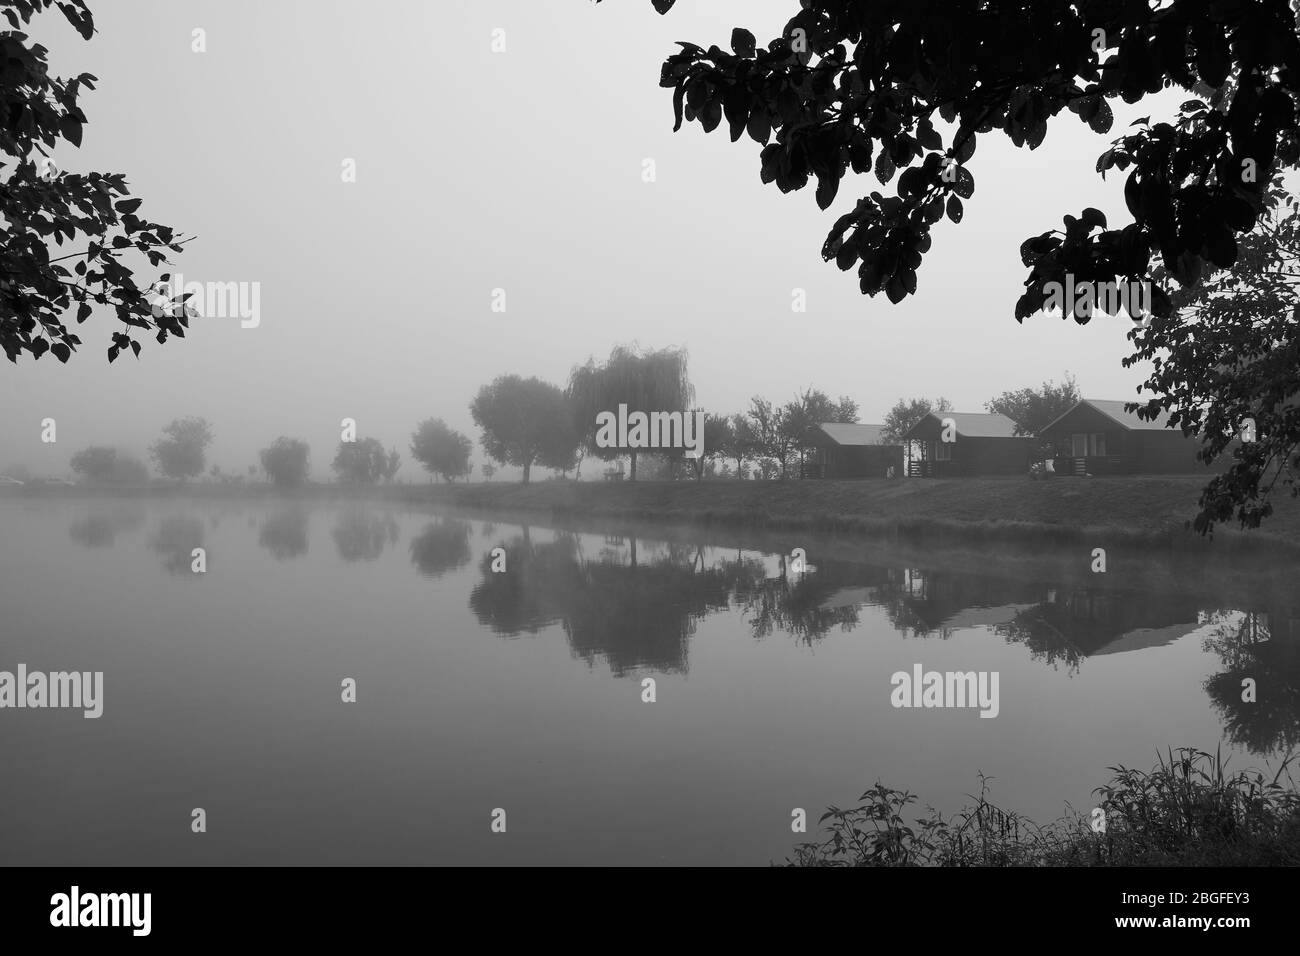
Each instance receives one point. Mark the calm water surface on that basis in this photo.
(523, 690)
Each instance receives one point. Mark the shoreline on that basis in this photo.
(1136, 513)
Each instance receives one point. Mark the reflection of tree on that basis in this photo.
(631, 614)
(175, 540)
(924, 603)
(100, 530)
(799, 603)
(92, 531)
(636, 611)
(1057, 626)
(641, 615)
(1257, 645)
(442, 547)
(1045, 641)
(284, 534)
(527, 595)
(361, 535)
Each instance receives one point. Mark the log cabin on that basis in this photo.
(845, 450)
(983, 443)
(1098, 437)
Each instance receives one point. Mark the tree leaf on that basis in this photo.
(884, 166)
(742, 42)
(1093, 217)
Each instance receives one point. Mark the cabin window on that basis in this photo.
(1091, 445)
(943, 451)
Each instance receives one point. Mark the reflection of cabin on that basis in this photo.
(1093, 619)
(852, 451)
(982, 443)
(1098, 437)
(942, 601)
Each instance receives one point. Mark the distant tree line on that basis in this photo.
(526, 422)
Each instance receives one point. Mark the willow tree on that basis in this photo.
(654, 381)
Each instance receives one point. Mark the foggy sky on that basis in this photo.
(523, 171)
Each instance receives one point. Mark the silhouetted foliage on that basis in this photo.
(1229, 354)
(40, 204)
(860, 85)
(1187, 811)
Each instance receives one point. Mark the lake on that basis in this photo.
(522, 689)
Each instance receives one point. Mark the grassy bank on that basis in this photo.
(1137, 512)
(1131, 511)
(1187, 811)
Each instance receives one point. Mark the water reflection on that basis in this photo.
(1097, 669)
(636, 604)
(1263, 647)
(100, 530)
(175, 540)
(362, 535)
(443, 546)
(805, 605)
(526, 597)
(633, 602)
(623, 607)
(1069, 624)
(284, 534)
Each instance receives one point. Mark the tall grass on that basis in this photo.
(1186, 811)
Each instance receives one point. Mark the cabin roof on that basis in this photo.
(1114, 410)
(974, 424)
(846, 433)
